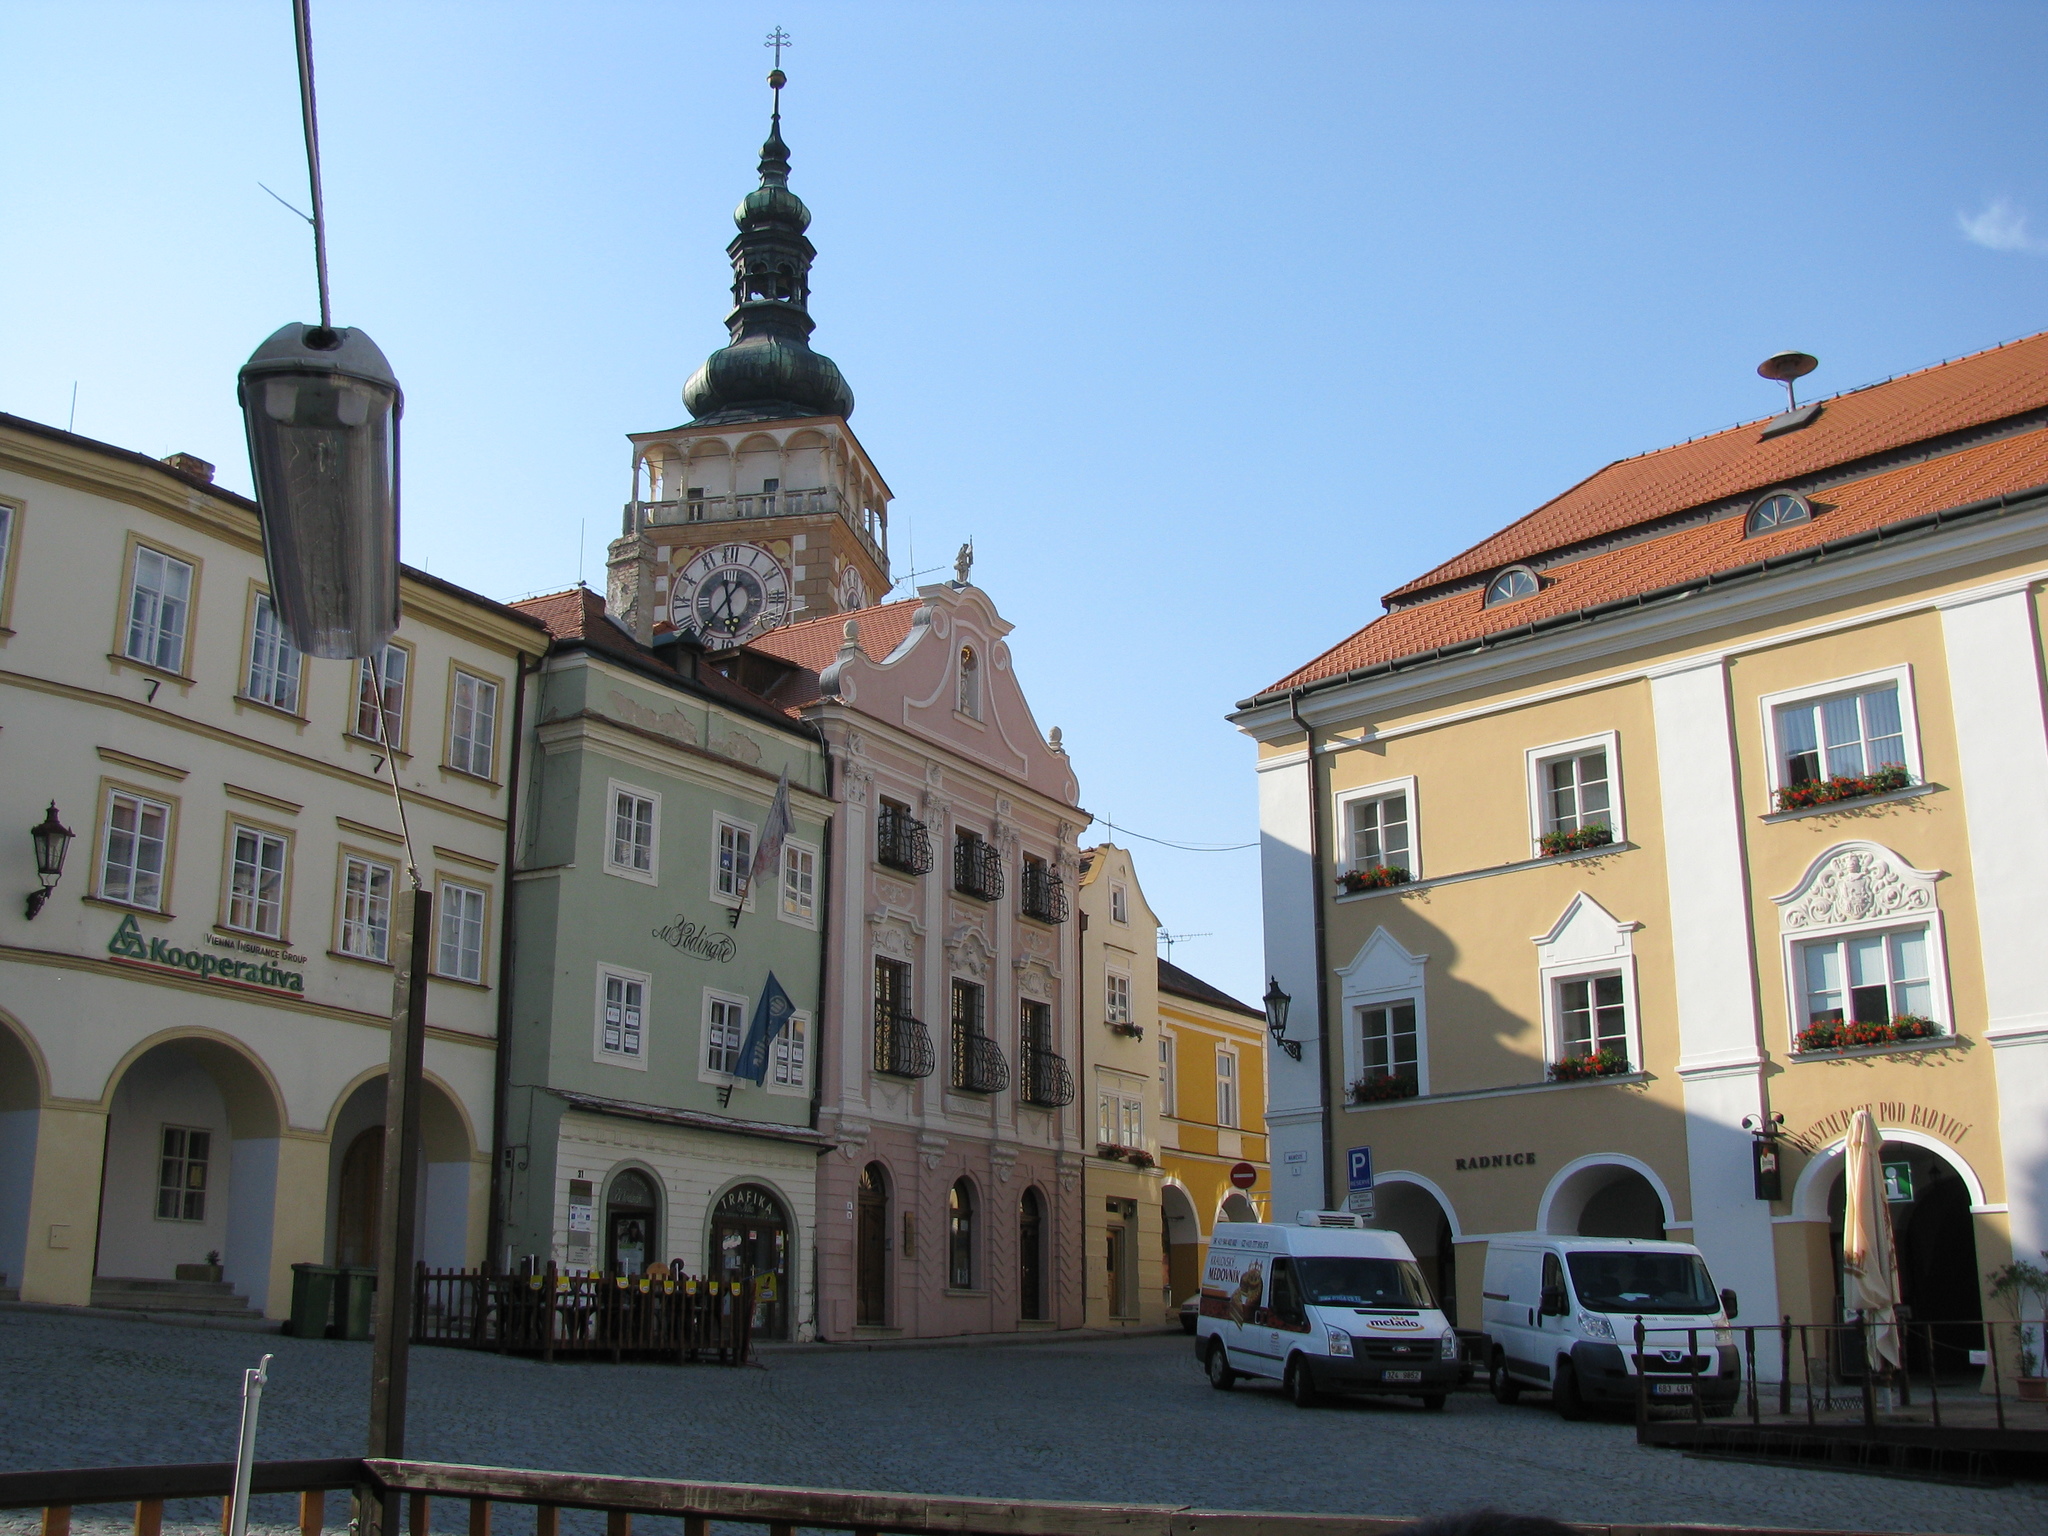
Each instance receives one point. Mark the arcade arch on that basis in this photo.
(21, 1098)
(1417, 1210)
(1181, 1231)
(1608, 1194)
(355, 1177)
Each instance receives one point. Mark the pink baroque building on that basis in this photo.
(951, 1201)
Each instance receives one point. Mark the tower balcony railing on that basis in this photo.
(825, 501)
(1047, 1081)
(903, 1047)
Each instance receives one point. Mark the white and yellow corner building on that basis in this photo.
(1711, 797)
(194, 1029)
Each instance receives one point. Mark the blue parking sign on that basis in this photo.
(1361, 1170)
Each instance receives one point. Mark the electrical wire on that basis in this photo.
(1183, 847)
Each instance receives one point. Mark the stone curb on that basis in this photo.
(137, 1315)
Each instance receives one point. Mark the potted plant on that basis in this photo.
(1889, 779)
(1129, 1027)
(1594, 835)
(209, 1271)
(1379, 877)
(1835, 1035)
(1378, 1087)
(2013, 1284)
(1609, 1061)
(1110, 1150)
(1137, 1157)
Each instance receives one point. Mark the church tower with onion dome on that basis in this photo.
(763, 507)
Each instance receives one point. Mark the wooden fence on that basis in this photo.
(665, 1316)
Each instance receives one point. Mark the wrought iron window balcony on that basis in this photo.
(1044, 894)
(903, 1047)
(1047, 1081)
(978, 1062)
(978, 869)
(901, 842)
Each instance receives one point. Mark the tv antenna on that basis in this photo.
(1171, 939)
(1785, 367)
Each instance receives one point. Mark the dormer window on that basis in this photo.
(1511, 585)
(1780, 509)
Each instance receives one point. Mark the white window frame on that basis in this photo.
(1937, 977)
(1587, 940)
(282, 662)
(706, 1073)
(1920, 907)
(264, 838)
(1382, 972)
(1537, 761)
(651, 875)
(1169, 1075)
(158, 629)
(1231, 1082)
(606, 974)
(185, 1162)
(442, 887)
(719, 822)
(1116, 997)
(791, 1058)
(10, 525)
(342, 922)
(368, 680)
(1119, 902)
(111, 794)
(1384, 790)
(465, 750)
(1862, 682)
(795, 852)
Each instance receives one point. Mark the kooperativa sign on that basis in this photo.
(129, 943)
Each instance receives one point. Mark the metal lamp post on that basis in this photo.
(52, 840)
(321, 407)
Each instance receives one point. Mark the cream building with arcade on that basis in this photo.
(194, 1027)
(1635, 848)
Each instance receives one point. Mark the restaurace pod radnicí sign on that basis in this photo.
(263, 975)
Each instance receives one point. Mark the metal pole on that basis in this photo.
(245, 1452)
(402, 1088)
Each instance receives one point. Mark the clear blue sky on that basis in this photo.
(1209, 324)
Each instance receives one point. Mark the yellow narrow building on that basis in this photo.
(1633, 850)
(1212, 1089)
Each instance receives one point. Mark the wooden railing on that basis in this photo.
(383, 1489)
(670, 1316)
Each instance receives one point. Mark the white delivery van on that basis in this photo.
(1326, 1305)
(1561, 1314)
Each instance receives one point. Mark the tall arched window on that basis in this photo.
(960, 1236)
(970, 682)
(1031, 1256)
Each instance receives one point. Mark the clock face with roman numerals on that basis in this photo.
(730, 593)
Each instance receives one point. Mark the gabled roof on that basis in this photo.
(1947, 437)
(1181, 984)
(813, 645)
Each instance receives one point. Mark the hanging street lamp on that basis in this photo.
(1277, 1003)
(52, 840)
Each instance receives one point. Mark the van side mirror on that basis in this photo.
(1728, 1303)
(1552, 1303)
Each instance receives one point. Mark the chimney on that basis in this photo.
(629, 591)
(190, 464)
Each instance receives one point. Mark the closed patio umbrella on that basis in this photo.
(1870, 1264)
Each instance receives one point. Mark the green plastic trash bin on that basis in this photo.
(312, 1300)
(355, 1288)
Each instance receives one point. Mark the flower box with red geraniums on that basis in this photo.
(1137, 1157)
(1380, 877)
(1578, 840)
(1849, 786)
(1379, 1087)
(1611, 1062)
(1129, 1027)
(1856, 1034)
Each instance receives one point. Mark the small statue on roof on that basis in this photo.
(963, 562)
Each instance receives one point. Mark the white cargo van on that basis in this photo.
(1561, 1313)
(1326, 1305)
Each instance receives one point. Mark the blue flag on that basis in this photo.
(771, 1017)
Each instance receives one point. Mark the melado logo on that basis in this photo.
(1412, 1324)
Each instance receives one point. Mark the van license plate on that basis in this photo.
(1400, 1375)
(1672, 1389)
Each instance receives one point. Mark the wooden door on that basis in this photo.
(360, 1199)
(871, 1241)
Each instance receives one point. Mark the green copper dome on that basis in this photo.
(769, 371)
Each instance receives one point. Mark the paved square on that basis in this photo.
(1126, 1420)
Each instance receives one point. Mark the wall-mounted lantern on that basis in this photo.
(1766, 1176)
(321, 407)
(1277, 1003)
(52, 841)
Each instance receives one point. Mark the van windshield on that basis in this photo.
(1339, 1282)
(1643, 1282)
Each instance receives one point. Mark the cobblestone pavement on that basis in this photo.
(1129, 1420)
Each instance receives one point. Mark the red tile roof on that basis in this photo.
(1949, 397)
(1973, 391)
(580, 614)
(813, 645)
